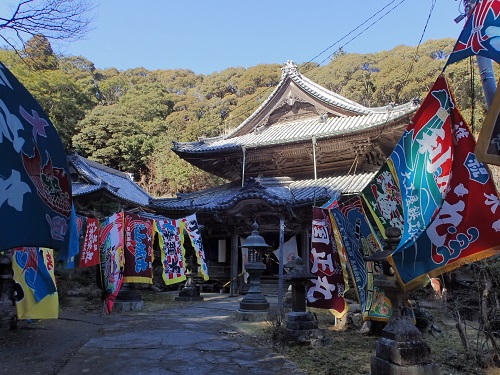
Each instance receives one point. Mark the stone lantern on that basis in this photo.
(401, 349)
(190, 291)
(254, 305)
(301, 325)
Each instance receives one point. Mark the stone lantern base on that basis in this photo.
(128, 299)
(252, 316)
(189, 293)
(401, 350)
(254, 307)
(302, 328)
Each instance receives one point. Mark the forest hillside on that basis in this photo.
(128, 119)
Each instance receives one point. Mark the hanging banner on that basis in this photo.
(357, 230)
(193, 230)
(420, 166)
(138, 249)
(170, 235)
(35, 189)
(327, 290)
(480, 33)
(487, 148)
(68, 253)
(467, 226)
(90, 250)
(35, 284)
(112, 257)
(383, 198)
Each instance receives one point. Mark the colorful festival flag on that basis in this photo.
(112, 257)
(332, 202)
(35, 189)
(170, 235)
(415, 177)
(138, 249)
(70, 251)
(467, 226)
(35, 284)
(357, 231)
(90, 249)
(193, 230)
(327, 290)
(383, 198)
(481, 33)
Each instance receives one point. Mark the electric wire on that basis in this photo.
(365, 29)
(349, 33)
(328, 48)
(419, 43)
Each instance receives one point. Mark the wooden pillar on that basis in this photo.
(233, 287)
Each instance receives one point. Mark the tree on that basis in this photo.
(38, 53)
(111, 137)
(55, 19)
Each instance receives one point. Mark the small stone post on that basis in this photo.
(401, 349)
(190, 291)
(301, 325)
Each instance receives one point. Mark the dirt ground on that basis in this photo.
(45, 346)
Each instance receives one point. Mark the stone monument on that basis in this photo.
(190, 291)
(301, 325)
(401, 349)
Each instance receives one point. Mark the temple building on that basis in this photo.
(94, 183)
(302, 146)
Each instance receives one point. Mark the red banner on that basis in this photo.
(327, 290)
(90, 251)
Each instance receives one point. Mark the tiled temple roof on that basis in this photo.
(346, 116)
(94, 176)
(275, 191)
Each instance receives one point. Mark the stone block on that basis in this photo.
(128, 306)
(380, 366)
(252, 316)
(301, 325)
(300, 316)
(305, 335)
(403, 353)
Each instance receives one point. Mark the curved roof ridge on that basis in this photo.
(260, 107)
(322, 93)
(290, 71)
(296, 131)
(80, 163)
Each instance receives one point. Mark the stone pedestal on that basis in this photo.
(302, 328)
(401, 349)
(254, 300)
(128, 299)
(190, 291)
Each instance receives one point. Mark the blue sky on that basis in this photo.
(212, 35)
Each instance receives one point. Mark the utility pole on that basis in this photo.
(484, 65)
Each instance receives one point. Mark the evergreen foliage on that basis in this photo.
(128, 119)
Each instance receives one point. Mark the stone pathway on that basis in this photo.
(197, 339)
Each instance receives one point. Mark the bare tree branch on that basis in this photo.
(67, 20)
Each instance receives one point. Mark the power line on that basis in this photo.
(338, 41)
(356, 28)
(419, 42)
